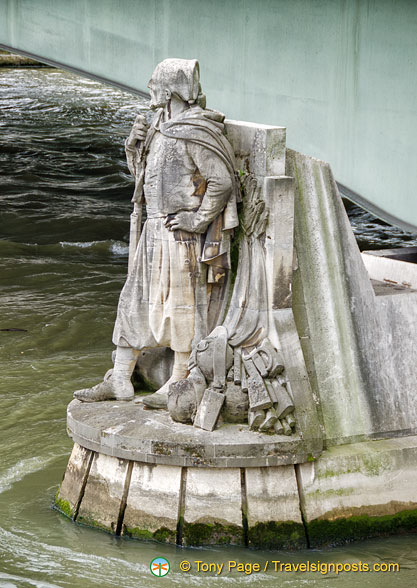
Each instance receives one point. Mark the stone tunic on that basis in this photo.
(165, 297)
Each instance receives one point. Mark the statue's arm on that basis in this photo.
(131, 158)
(219, 186)
(133, 142)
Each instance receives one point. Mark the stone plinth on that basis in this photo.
(129, 431)
(135, 472)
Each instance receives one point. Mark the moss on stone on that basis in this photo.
(162, 535)
(88, 521)
(161, 449)
(63, 506)
(320, 494)
(373, 464)
(196, 534)
(343, 530)
(274, 535)
(194, 451)
(165, 535)
(136, 533)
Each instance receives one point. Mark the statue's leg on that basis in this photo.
(159, 399)
(118, 386)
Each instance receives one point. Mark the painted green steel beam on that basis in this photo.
(339, 74)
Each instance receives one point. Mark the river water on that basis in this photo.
(64, 209)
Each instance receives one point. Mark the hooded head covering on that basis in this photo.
(180, 76)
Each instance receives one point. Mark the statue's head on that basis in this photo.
(178, 77)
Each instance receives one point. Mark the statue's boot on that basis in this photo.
(159, 399)
(117, 386)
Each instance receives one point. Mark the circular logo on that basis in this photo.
(160, 566)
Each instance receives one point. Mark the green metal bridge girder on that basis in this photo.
(341, 75)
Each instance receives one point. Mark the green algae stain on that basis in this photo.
(88, 521)
(63, 506)
(196, 534)
(136, 533)
(343, 530)
(273, 535)
(162, 535)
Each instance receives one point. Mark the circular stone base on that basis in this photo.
(137, 473)
(129, 431)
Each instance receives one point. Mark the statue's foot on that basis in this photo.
(155, 400)
(107, 390)
(158, 399)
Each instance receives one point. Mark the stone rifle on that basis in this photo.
(138, 163)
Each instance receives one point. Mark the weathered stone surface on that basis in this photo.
(182, 401)
(213, 507)
(259, 149)
(153, 500)
(235, 407)
(273, 510)
(396, 267)
(361, 349)
(305, 401)
(128, 431)
(13, 60)
(279, 242)
(257, 392)
(270, 420)
(154, 367)
(100, 505)
(351, 492)
(69, 494)
(209, 409)
(360, 490)
(285, 403)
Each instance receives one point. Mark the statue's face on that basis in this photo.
(159, 95)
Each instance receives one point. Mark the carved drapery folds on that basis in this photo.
(236, 373)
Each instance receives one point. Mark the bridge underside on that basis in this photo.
(339, 75)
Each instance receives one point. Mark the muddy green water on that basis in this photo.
(64, 207)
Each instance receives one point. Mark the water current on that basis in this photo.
(64, 209)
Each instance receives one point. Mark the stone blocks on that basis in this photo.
(349, 492)
(273, 509)
(213, 507)
(69, 494)
(153, 502)
(104, 493)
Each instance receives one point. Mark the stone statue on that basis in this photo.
(184, 171)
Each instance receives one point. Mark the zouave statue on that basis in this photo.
(184, 172)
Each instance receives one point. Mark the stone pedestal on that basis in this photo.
(135, 472)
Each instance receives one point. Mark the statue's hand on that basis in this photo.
(138, 132)
(184, 221)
